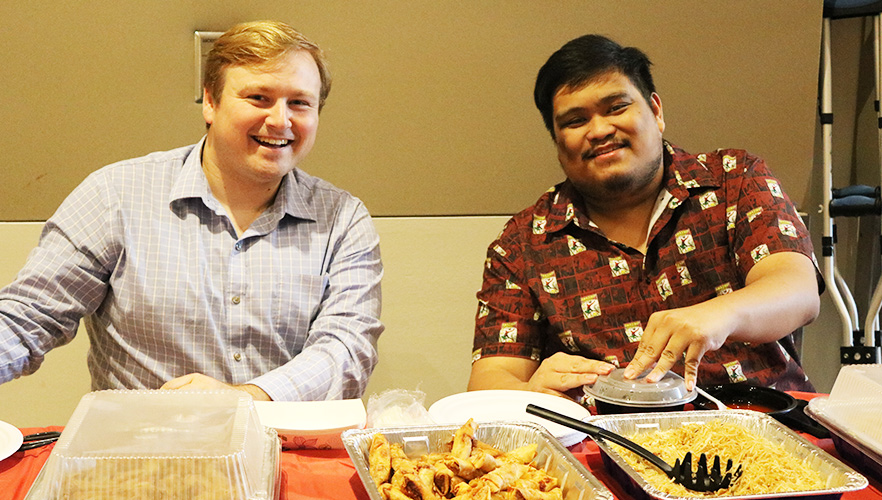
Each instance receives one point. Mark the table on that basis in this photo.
(330, 474)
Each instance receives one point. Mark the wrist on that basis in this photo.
(256, 392)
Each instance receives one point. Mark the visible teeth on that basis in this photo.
(605, 150)
(272, 142)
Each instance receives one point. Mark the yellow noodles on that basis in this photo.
(766, 467)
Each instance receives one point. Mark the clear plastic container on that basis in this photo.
(162, 444)
(613, 394)
(851, 414)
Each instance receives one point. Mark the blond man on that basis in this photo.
(220, 264)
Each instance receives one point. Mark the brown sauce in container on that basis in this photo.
(750, 406)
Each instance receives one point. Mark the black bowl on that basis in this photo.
(607, 408)
(748, 397)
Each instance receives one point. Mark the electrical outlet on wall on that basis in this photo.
(204, 41)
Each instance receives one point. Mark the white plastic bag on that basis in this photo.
(397, 407)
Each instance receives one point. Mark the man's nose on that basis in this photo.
(599, 128)
(279, 115)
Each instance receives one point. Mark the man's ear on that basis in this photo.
(207, 107)
(656, 105)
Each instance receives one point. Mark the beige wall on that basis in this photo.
(431, 111)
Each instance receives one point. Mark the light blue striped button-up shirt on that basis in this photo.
(148, 257)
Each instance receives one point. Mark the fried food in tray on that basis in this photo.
(516, 460)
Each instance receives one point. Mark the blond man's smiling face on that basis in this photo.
(265, 121)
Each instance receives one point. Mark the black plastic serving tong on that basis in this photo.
(681, 472)
(32, 441)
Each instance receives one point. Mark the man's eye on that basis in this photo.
(257, 98)
(618, 107)
(574, 122)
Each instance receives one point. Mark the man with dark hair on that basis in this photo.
(646, 256)
(219, 264)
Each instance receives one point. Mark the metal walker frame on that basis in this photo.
(858, 345)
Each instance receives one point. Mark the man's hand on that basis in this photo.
(556, 375)
(779, 296)
(562, 372)
(200, 382)
(669, 334)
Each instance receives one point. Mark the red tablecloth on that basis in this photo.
(329, 474)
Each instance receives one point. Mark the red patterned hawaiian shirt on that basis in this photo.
(553, 282)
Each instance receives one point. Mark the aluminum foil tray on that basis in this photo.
(551, 456)
(838, 476)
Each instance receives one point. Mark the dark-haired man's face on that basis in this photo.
(609, 138)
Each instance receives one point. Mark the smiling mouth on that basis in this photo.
(593, 153)
(272, 143)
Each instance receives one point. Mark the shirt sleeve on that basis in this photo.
(509, 318)
(765, 220)
(64, 278)
(341, 348)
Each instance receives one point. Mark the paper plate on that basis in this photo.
(10, 439)
(501, 405)
(311, 424)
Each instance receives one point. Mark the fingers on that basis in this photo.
(179, 382)
(668, 358)
(643, 359)
(562, 372)
(195, 381)
(690, 372)
(654, 346)
(667, 337)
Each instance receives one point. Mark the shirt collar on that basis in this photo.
(686, 171)
(683, 172)
(293, 198)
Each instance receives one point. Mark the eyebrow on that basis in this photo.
(264, 89)
(605, 100)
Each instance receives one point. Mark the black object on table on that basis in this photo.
(797, 420)
(32, 441)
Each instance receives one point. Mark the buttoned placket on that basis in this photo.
(237, 294)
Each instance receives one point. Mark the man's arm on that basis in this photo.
(64, 279)
(200, 382)
(503, 304)
(779, 296)
(555, 375)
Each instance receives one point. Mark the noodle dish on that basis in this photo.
(777, 462)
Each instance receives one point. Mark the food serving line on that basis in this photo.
(330, 473)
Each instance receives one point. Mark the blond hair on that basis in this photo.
(259, 43)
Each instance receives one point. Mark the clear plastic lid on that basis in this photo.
(162, 444)
(613, 388)
(854, 405)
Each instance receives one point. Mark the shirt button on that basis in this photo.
(236, 299)
(238, 246)
(237, 357)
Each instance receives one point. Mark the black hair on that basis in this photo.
(583, 59)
